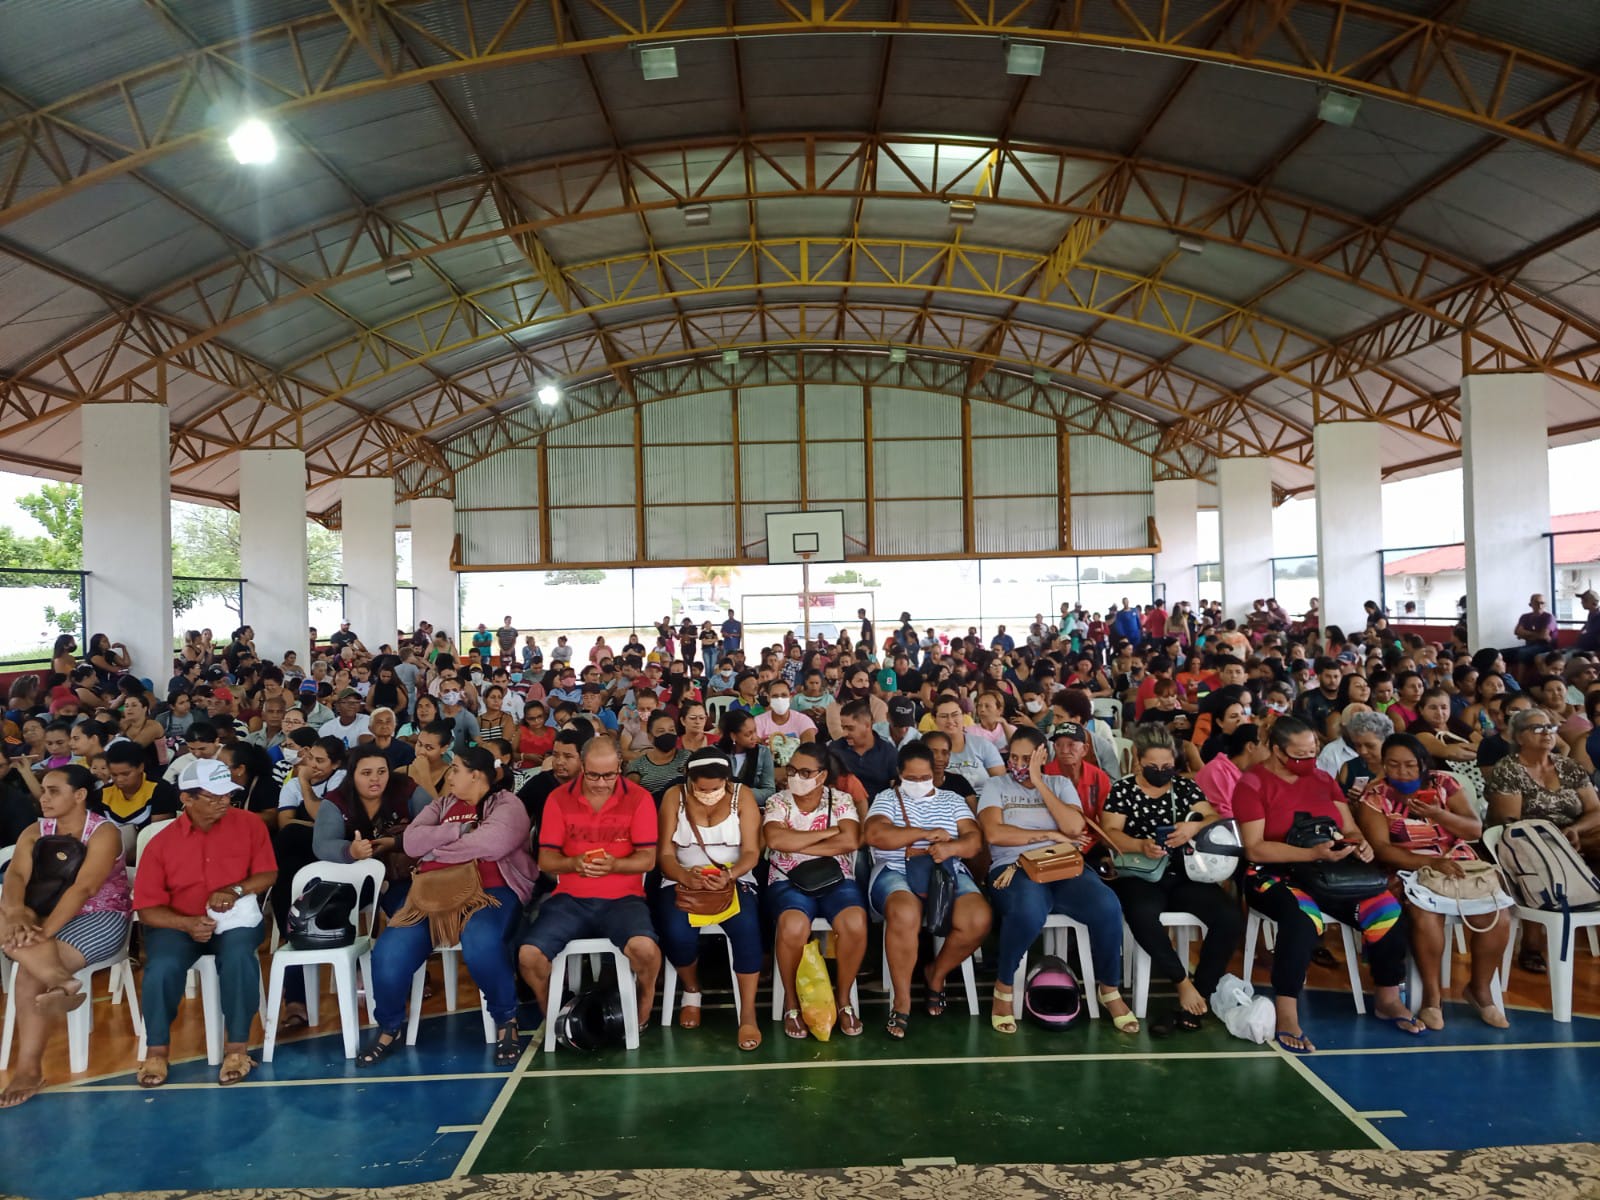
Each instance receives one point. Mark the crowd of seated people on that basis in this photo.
(640, 793)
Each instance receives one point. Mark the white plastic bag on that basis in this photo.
(1245, 1014)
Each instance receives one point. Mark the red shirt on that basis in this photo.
(535, 743)
(182, 867)
(1260, 795)
(1092, 785)
(624, 823)
(488, 870)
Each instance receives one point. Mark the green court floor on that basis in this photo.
(952, 1090)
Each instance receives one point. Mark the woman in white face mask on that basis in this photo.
(812, 832)
(710, 843)
(780, 728)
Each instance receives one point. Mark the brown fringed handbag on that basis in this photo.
(446, 897)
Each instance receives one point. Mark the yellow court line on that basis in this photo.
(335, 1081)
(460, 1129)
(1438, 1049)
(1377, 1114)
(1325, 1090)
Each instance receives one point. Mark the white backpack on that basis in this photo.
(1545, 872)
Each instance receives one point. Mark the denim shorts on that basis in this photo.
(783, 895)
(562, 919)
(888, 881)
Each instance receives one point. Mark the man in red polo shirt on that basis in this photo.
(598, 836)
(1072, 762)
(198, 891)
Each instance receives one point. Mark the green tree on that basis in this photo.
(558, 578)
(205, 542)
(714, 577)
(851, 576)
(59, 508)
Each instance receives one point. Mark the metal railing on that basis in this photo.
(41, 605)
(189, 590)
(1441, 614)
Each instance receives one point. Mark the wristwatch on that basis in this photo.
(238, 891)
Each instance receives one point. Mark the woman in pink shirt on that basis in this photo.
(1242, 749)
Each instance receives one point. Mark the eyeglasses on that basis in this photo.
(804, 772)
(602, 776)
(1540, 729)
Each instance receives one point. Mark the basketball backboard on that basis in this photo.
(815, 535)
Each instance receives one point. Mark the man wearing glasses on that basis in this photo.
(197, 892)
(598, 837)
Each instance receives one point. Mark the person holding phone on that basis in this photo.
(1266, 802)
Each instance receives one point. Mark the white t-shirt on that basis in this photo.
(942, 810)
(348, 734)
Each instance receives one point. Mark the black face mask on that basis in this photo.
(665, 742)
(1158, 776)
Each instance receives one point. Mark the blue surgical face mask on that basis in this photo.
(516, 677)
(1404, 786)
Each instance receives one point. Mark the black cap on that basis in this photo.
(902, 711)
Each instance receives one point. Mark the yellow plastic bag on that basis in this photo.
(817, 1008)
(701, 920)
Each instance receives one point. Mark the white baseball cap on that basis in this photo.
(207, 775)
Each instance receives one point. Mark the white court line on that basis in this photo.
(927, 1162)
(1458, 1049)
(480, 1138)
(1380, 1114)
(337, 1081)
(1326, 1091)
(457, 1129)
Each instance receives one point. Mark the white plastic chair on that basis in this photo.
(366, 875)
(568, 969)
(716, 707)
(1559, 958)
(1124, 747)
(5, 861)
(450, 956)
(1414, 976)
(818, 925)
(1056, 928)
(669, 993)
(80, 1021)
(1108, 708)
(969, 976)
(1185, 925)
(1257, 924)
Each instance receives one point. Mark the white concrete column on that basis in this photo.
(127, 532)
(1176, 503)
(1506, 485)
(433, 536)
(367, 526)
(272, 549)
(1349, 520)
(1244, 503)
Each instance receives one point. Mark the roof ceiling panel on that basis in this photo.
(811, 217)
(198, 396)
(38, 62)
(38, 310)
(1207, 126)
(388, 141)
(922, 94)
(1325, 307)
(532, 110)
(1229, 373)
(1091, 97)
(605, 237)
(407, 381)
(47, 449)
(288, 334)
(780, 82)
(698, 102)
(373, 300)
(1562, 31)
(483, 264)
(1136, 249)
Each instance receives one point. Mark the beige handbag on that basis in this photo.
(1480, 890)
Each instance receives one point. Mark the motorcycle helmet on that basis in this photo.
(1052, 997)
(323, 916)
(591, 1019)
(1214, 853)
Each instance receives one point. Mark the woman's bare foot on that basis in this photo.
(22, 1088)
(1190, 999)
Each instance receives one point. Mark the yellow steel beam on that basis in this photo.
(323, 58)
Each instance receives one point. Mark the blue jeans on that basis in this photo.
(681, 941)
(708, 657)
(1023, 906)
(401, 949)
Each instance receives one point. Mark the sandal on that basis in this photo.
(691, 1004)
(507, 1046)
(235, 1067)
(1532, 961)
(152, 1073)
(849, 1023)
(380, 1049)
(897, 1025)
(1432, 1017)
(1127, 1022)
(794, 1026)
(1490, 1014)
(294, 1021)
(1007, 1023)
(936, 1000)
(1400, 1023)
(1303, 1047)
(749, 1037)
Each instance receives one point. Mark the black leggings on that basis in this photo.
(1379, 917)
(1142, 906)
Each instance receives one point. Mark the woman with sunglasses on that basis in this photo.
(1536, 782)
(811, 821)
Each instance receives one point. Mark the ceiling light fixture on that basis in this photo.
(253, 143)
(1191, 245)
(1338, 108)
(1024, 58)
(963, 212)
(897, 354)
(696, 215)
(549, 395)
(658, 62)
(400, 272)
(1041, 376)
(730, 358)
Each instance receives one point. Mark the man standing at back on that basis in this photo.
(1126, 624)
(732, 635)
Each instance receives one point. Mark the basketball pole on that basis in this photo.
(805, 595)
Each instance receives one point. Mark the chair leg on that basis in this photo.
(669, 994)
(269, 1040)
(738, 1003)
(1091, 989)
(79, 1023)
(313, 975)
(1594, 942)
(344, 983)
(131, 995)
(414, 1017)
(1561, 978)
(558, 978)
(1352, 956)
(969, 976)
(450, 961)
(1141, 981)
(366, 984)
(628, 989)
(211, 1003)
(11, 1019)
(1252, 928)
(1511, 945)
(488, 1021)
(1447, 959)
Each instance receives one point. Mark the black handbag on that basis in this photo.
(938, 893)
(56, 862)
(1332, 884)
(817, 876)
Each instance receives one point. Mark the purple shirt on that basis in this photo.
(1543, 622)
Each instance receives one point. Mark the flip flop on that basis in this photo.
(849, 1023)
(794, 1026)
(1400, 1023)
(897, 1025)
(293, 1023)
(1303, 1049)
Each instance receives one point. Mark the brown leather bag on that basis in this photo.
(705, 902)
(1050, 863)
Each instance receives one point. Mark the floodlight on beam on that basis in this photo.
(549, 395)
(1041, 376)
(1338, 108)
(658, 62)
(963, 212)
(1191, 245)
(897, 354)
(730, 358)
(400, 272)
(1024, 58)
(696, 215)
(253, 142)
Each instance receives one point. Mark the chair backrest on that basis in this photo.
(1124, 755)
(718, 705)
(145, 834)
(1491, 840)
(358, 874)
(1469, 785)
(5, 858)
(1108, 708)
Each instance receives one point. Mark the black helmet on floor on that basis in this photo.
(1052, 997)
(591, 1019)
(323, 916)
